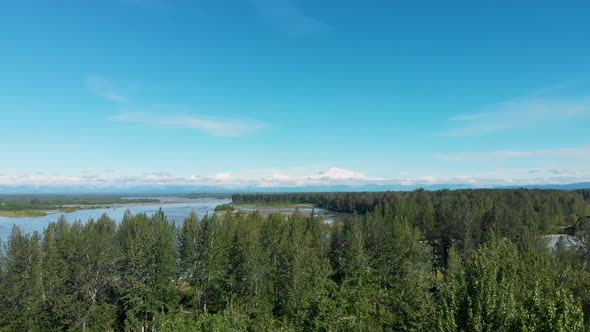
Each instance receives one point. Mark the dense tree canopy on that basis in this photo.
(420, 261)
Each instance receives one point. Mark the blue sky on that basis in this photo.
(293, 92)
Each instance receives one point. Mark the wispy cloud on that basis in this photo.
(580, 152)
(288, 17)
(222, 177)
(517, 114)
(105, 88)
(161, 117)
(336, 173)
(329, 177)
(220, 128)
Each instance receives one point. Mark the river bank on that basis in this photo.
(67, 208)
(176, 210)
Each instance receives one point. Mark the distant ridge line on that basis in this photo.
(253, 189)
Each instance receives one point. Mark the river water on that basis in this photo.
(176, 212)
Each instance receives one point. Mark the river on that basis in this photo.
(176, 212)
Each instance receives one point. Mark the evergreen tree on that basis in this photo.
(148, 268)
(212, 264)
(60, 266)
(354, 275)
(20, 278)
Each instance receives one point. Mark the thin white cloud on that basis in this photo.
(222, 177)
(336, 173)
(517, 114)
(297, 177)
(580, 152)
(105, 88)
(220, 128)
(330, 177)
(217, 127)
(288, 17)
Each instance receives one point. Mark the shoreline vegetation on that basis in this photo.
(285, 208)
(19, 206)
(39, 206)
(224, 208)
(275, 205)
(22, 213)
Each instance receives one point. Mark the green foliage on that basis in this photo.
(502, 289)
(22, 213)
(224, 208)
(25, 205)
(201, 323)
(206, 195)
(420, 261)
(21, 290)
(463, 218)
(148, 268)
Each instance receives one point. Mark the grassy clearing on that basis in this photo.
(22, 213)
(275, 205)
(16, 206)
(55, 202)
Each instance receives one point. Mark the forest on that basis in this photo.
(465, 260)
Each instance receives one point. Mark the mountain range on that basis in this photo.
(212, 189)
